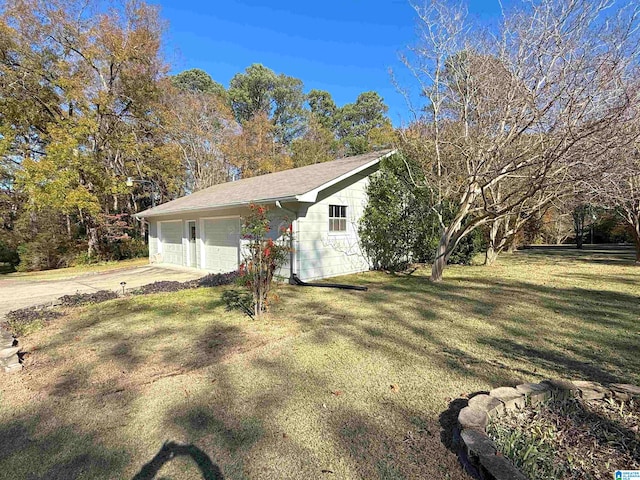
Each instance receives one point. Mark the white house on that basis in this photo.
(322, 202)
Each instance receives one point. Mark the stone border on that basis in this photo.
(9, 360)
(481, 451)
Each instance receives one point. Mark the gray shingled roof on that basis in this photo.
(274, 186)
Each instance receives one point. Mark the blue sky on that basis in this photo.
(345, 47)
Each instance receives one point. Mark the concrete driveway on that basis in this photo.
(24, 292)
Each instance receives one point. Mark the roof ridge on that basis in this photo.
(279, 172)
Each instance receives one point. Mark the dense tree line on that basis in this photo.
(87, 101)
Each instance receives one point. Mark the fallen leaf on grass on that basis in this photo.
(337, 393)
(395, 387)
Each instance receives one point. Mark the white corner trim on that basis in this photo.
(312, 196)
(201, 239)
(159, 239)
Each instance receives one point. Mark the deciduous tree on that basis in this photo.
(200, 125)
(255, 151)
(79, 89)
(547, 90)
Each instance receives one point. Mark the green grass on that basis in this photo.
(61, 273)
(308, 389)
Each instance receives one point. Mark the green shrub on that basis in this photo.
(83, 258)
(8, 254)
(399, 225)
(46, 251)
(125, 248)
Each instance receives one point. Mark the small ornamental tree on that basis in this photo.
(263, 257)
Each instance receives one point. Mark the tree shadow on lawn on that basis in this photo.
(593, 338)
(97, 345)
(70, 452)
(237, 425)
(296, 426)
(407, 322)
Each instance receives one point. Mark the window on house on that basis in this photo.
(337, 218)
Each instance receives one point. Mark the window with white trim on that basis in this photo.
(337, 218)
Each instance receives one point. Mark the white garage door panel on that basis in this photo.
(171, 237)
(221, 238)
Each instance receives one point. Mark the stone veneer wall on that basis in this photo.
(473, 419)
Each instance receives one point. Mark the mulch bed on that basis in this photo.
(211, 280)
(17, 319)
(571, 439)
(87, 298)
(33, 313)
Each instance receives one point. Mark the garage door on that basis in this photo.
(171, 238)
(221, 242)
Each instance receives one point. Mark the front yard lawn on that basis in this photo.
(334, 384)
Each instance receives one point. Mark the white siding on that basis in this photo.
(171, 242)
(220, 244)
(322, 254)
(318, 252)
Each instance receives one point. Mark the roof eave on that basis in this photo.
(215, 207)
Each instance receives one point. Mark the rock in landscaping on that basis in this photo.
(624, 391)
(12, 368)
(499, 468)
(10, 364)
(590, 390)
(7, 342)
(535, 392)
(625, 388)
(562, 389)
(511, 397)
(9, 361)
(473, 418)
(478, 443)
(4, 335)
(8, 352)
(489, 404)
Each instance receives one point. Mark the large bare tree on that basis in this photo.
(199, 125)
(618, 185)
(508, 114)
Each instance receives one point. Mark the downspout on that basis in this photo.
(292, 275)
